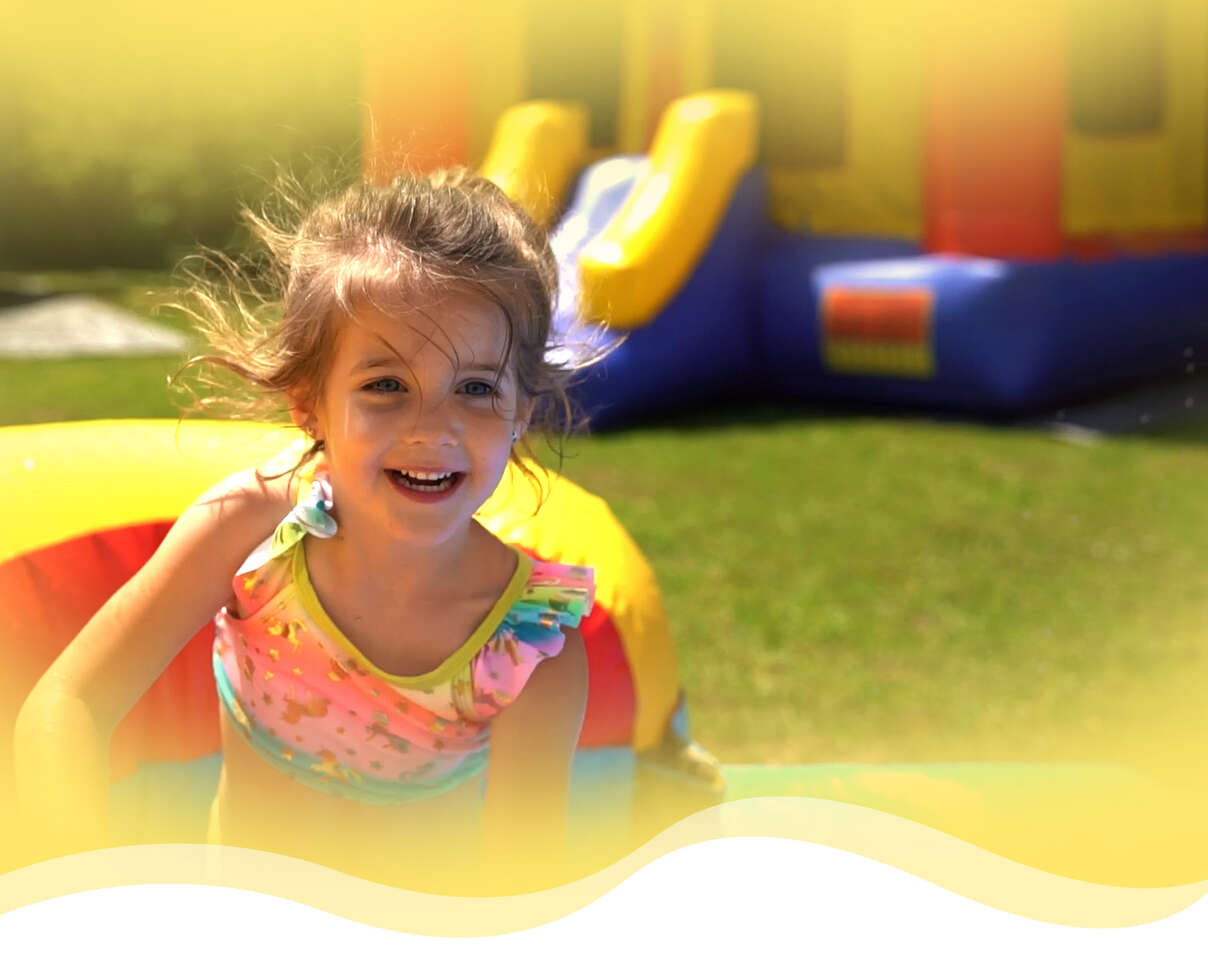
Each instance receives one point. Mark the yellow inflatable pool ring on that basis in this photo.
(99, 496)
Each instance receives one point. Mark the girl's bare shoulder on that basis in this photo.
(251, 497)
(145, 623)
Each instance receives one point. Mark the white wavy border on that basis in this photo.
(936, 857)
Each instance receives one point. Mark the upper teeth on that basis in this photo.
(417, 475)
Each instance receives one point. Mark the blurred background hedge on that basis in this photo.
(132, 134)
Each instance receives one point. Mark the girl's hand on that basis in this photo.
(532, 745)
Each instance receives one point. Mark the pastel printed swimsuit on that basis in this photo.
(313, 706)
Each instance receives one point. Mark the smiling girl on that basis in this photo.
(401, 691)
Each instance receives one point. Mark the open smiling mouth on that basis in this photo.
(427, 485)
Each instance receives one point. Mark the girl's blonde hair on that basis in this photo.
(274, 321)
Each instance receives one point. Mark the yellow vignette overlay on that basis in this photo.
(929, 854)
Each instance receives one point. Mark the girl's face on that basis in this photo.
(417, 417)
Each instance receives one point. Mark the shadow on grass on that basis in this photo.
(16, 298)
(1174, 410)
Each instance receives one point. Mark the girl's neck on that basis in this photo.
(403, 571)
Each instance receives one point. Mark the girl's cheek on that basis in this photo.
(375, 408)
(497, 408)
(365, 419)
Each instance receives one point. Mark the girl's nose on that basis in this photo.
(435, 424)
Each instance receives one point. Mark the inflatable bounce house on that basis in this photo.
(989, 209)
(863, 201)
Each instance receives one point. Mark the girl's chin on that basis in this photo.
(429, 537)
(428, 532)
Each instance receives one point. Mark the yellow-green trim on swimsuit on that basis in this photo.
(454, 662)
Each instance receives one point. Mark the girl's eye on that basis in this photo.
(384, 385)
(478, 388)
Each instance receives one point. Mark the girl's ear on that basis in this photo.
(524, 413)
(303, 415)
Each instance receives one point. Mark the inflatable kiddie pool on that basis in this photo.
(87, 504)
(98, 497)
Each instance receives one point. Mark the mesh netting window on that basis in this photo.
(574, 53)
(1115, 67)
(793, 57)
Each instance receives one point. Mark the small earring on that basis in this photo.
(515, 435)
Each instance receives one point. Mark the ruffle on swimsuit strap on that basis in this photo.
(555, 595)
(311, 515)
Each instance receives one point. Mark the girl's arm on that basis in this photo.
(532, 744)
(61, 738)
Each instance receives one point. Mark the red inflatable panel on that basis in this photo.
(611, 703)
(47, 596)
(996, 116)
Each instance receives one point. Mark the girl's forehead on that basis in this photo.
(460, 327)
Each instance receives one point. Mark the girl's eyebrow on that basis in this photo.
(374, 362)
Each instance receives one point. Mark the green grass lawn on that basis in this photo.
(861, 589)
(45, 391)
(904, 591)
